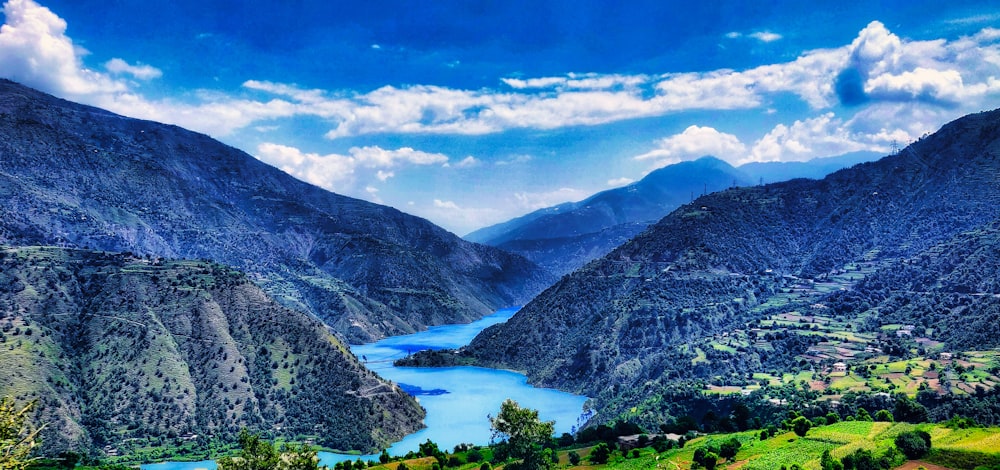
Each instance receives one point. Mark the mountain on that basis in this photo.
(123, 353)
(72, 175)
(565, 237)
(660, 310)
(817, 168)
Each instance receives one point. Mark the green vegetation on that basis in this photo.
(521, 435)
(17, 438)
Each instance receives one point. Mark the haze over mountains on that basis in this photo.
(563, 238)
(77, 176)
(619, 329)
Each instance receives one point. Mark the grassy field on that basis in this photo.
(951, 449)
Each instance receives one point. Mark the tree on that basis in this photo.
(259, 454)
(522, 433)
(729, 448)
(884, 416)
(17, 439)
(301, 457)
(801, 426)
(863, 415)
(384, 457)
(600, 454)
(255, 454)
(827, 462)
(574, 458)
(914, 444)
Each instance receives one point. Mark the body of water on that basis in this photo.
(458, 399)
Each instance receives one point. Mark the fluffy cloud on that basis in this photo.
(141, 72)
(337, 172)
(695, 142)
(824, 135)
(614, 183)
(34, 49)
(877, 67)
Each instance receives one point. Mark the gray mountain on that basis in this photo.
(77, 176)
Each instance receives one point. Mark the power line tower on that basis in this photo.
(894, 148)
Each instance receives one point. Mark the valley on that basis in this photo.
(156, 302)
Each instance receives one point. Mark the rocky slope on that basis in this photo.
(77, 176)
(123, 352)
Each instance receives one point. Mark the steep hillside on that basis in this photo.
(565, 237)
(77, 176)
(620, 328)
(125, 352)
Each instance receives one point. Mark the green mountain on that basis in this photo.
(563, 238)
(666, 307)
(123, 352)
(72, 175)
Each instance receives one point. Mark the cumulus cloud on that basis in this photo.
(694, 142)
(876, 67)
(337, 172)
(825, 135)
(614, 183)
(35, 50)
(140, 71)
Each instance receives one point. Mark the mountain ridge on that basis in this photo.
(79, 176)
(567, 236)
(616, 329)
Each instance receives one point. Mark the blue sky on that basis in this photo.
(469, 113)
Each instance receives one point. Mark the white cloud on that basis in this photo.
(377, 157)
(468, 162)
(734, 35)
(333, 172)
(693, 143)
(825, 135)
(35, 50)
(614, 183)
(531, 201)
(766, 36)
(337, 172)
(446, 205)
(922, 77)
(514, 160)
(140, 71)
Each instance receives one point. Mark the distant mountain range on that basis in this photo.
(563, 238)
(123, 353)
(77, 176)
(908, 239)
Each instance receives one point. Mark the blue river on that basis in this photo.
(457, 399)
